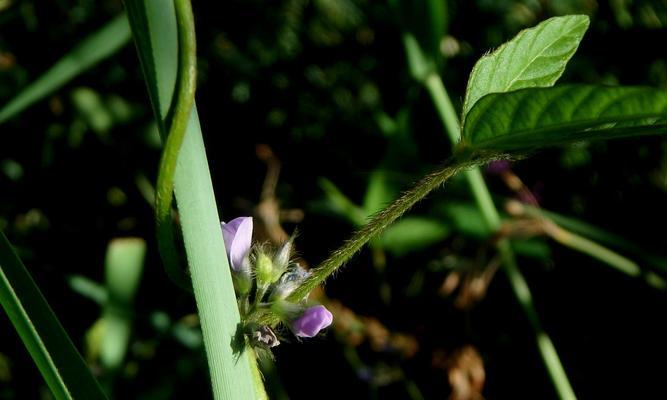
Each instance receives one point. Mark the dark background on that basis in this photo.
(311, 79)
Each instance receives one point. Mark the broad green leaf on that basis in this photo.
(533, 118)
(61, 365)
(233, 376)
(413, 234)
(536, 57)
(98, 46)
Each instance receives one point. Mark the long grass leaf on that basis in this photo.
(153, 25)
(98, 46)
(61, 365)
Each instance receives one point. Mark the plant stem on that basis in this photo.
(184, 100)
(594, 250)
(482, 197)
(601, 253)
(233, 375)
(380, 221)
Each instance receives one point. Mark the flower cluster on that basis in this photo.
(263, 279)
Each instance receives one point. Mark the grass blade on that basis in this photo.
(153, 25)
(61, 365)
(98, 46)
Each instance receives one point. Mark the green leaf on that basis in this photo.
(533, 248)
(233, 376)
(466, 219)
(533, 118)
(340, 204)
(123, 266)
(88, 288)
(536, 57)
(61, 365)
(413, 234)
(98, 46)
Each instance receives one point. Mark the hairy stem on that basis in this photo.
(482, 196)
(184, 100)
(381, 221)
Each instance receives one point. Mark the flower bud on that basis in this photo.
(281, 258)
(263, 269)
(312, 321)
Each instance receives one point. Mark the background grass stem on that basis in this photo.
(482, 196)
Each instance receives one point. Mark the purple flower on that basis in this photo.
(313, 320)
(237, 235)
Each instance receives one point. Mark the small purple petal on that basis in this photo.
(313, 320)
(237, 235)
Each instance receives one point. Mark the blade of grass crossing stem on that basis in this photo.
(61, 365)
(98, 46)
(153, 24)
(448, 116)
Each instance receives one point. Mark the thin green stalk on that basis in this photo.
(185, 99)
(482, 196)
(594, 250)
(381, 221)
(600, 236)
(603, 254)
(544, 344)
